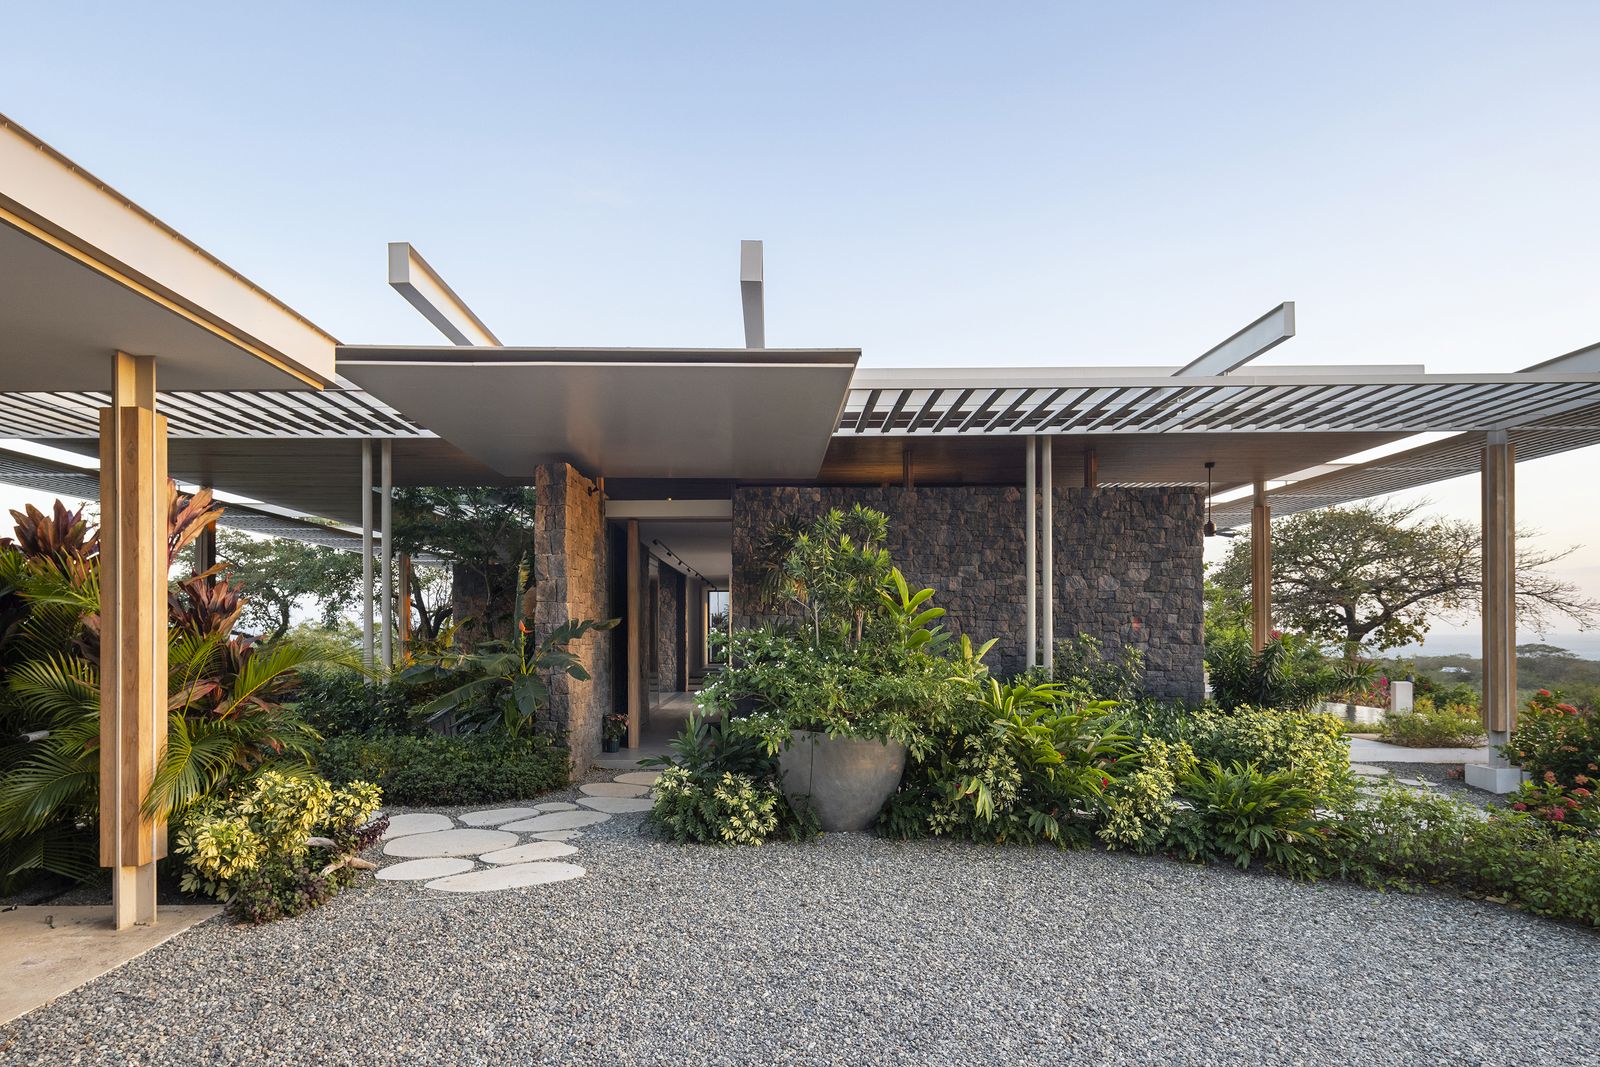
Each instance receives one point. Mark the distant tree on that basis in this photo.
(1545, 652)
(279, 574)
(484, 533)
(1374, 576)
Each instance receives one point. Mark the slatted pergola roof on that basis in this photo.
(1324, 400)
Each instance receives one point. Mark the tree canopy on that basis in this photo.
(1374, 576)
(278, 573)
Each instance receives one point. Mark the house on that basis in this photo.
(1040, 502)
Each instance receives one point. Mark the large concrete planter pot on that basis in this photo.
(845, 780)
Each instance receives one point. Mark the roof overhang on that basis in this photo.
(748, 414)
(88, 273)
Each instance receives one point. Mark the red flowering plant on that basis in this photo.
(1570, 809)
(1555, 737)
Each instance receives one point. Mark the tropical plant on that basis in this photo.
(1241, 813)
(225, 719)
(1288, 672)
(500, 685)
(279, 845)
(1016, 762)
(1081, 665)
(834, 568)
(1557, 737)
(434, 769)
(719, 785)
(1431, 725)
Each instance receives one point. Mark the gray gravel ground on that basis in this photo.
(853, 950)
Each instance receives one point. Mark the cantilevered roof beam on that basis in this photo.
(752, 293)
(1262, 335)
(424, 290)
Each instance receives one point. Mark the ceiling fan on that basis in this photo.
(1211, 526)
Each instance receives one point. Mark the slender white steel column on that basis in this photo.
(1030, 551)
(386, 518)
(1048, 477)
(366, 553)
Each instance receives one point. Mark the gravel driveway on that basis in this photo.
(853, 950)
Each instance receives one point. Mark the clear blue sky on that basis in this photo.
(938, 184)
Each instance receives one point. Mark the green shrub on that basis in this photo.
(434, 770)
(1430, 725)
(1408, 838)
(1243, 813)
(1082, 668)
(1289, 671)
(720, 786)
(1557, 737)
(1021, 763)
(1309, 743)
(337, 703)
(280, 846)
(1138, 804)
(734, 809)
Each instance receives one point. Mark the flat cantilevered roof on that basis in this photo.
(619, 412)
(86, 272)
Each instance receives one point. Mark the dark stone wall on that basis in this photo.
(571, 564)
(1128, 565)
(669, 629)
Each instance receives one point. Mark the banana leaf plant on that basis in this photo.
(502, 684)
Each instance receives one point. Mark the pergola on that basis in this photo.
(255, 401)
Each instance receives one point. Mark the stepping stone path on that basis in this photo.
(506, 848)
(613, 789)
(405, 825)
(617, 805)
(450, 843)
(497, 816)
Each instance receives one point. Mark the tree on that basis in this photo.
(486, 534)
(278, 574)
(1374, 576)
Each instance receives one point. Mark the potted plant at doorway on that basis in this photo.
(614, 732)
(844, 695)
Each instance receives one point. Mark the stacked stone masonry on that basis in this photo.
(1128, 565)
(570, 564)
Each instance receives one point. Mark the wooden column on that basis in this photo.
(1091, 469)
(635, 639)
(133, 634)
(1499, 590)
(1260, 567)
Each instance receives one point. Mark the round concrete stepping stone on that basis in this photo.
(496, 816)
(558, 835)
(450, 843)
(423, 870)
(533, 850)
(617, 805)
(614, 789)
(556, 805)
(415, 823)
(508, 877)
(638, 778)
(559, 820)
